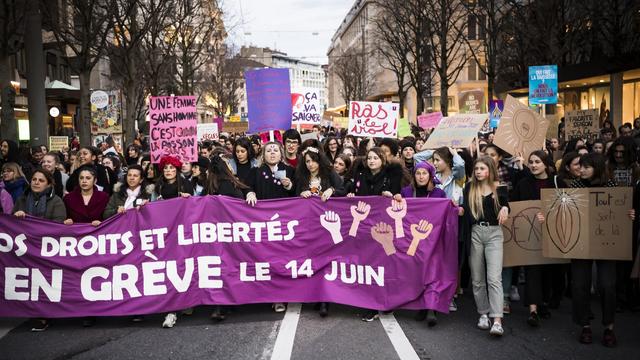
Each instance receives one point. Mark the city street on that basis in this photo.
(255, 332)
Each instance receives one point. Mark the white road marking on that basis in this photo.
(270, 341)
(398, 338)
(286, 336)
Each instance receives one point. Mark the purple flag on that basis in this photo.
(179, 253)
(268, 100)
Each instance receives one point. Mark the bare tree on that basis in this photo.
(447, 29)
(199, 29)
(355, 81)
(392, 45)
(225, 80)
(133, 20)
(84, 33)
(12, 14)
(489, 17)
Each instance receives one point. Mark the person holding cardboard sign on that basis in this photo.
(486, 207)
(538, 285)
(593, 173)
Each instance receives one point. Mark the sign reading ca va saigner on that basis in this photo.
(180, 253)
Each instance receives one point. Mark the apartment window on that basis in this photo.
(471, 28)
(482, 21)
(472, 71)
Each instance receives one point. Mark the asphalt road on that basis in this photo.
(252, 331)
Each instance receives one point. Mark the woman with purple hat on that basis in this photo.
(424, 182)
(424, 186)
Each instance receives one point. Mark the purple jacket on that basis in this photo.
(407, 192)
(6, 201)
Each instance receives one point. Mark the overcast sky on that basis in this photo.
(287, 25)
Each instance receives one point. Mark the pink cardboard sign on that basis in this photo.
(173, 123)
(430, 120)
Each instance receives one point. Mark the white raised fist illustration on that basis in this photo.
(383, 233)
(397, 211)
(330, 220)
(419, 232)
(359, 213)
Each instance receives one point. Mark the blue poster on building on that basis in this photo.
(543, 84)
(495, 112)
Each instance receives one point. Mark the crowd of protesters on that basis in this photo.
(89, 184)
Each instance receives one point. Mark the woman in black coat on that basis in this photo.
(273, 179)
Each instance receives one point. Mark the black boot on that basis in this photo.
(324, 309)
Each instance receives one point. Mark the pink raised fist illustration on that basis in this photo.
(383, 233)
(397, 211)
(359, 213)
(330, 220)
(419, 232)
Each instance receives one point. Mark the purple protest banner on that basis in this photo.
(179, 253)
(430, 120)
(173, 127)
(268, 99)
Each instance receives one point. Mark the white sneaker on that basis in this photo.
(496, 329)
(513, 294)
(483, 323)
(169, 320)
(279, 307)
(453, 307)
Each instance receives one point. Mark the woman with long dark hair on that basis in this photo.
(332, 148)
(221, 181)
(85, 204)
(88, 155)
(131, 192)
(538, 287)
(243, 160)
(593, 173)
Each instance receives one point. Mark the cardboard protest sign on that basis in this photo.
(307, 136)
(456, 131)
(543, 84)
(373, 119)
(268, 99)
(184, 252)
(173, 127)
(588, 223)
(306, 106)
(523, 236)
(106, 112)
(495, 112)
(582, 124)
(430, 120)
(472, 102)
(57, 143)
(521, 130)
(208, 132)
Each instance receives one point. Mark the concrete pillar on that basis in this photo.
(615, 98)
(38, 114)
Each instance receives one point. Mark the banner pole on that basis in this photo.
(271, 137)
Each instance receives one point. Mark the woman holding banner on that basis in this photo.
(375, 176)
(220, 181)
(486, 207)
(538, 288)
(171, 185)
(450, 171)
(424, 186)
(316, 177)
(272, 180)
(40, 200)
